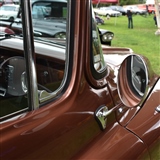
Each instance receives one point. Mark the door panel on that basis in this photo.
(114, 143)
(58, 131)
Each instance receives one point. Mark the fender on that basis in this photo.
(151, 120)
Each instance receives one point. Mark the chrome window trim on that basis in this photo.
(43, 95)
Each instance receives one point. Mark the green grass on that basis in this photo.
(141, 39)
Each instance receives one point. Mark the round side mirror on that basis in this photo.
(132, 80)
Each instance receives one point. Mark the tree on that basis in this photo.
(157, 16)
(128, 2)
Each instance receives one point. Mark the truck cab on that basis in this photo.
(75, 98)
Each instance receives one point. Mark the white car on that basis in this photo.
(107, 11)
(9, 12)
(135, 10)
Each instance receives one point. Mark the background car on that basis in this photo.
(118, 8)
(135, 10)
(9, 12)
(106, 36)
(107, 11)
(99, 20)
(150, 7)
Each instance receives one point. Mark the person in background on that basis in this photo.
(130, 20)
(155, 19)
(147, 12)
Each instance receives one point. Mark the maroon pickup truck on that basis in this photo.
(74, 98)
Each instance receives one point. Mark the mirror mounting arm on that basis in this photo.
(102, 112)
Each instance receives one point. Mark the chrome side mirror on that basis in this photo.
(132, 80)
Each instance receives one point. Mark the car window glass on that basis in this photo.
(49, 10)
(50, 55)
(98, 60)
(49, 26)
(13, 95)
(49, 19)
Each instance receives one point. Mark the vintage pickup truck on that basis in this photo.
(75, 98)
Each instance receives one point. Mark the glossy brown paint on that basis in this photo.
(70, 122)
(146, 124)
(115, 137)
(66, 127)
(118, 55)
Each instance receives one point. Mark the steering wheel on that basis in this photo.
(12, 73)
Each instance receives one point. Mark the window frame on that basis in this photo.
(103, 72)
(34, 89)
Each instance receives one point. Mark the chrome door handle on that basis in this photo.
(158, 108)
(100, 115)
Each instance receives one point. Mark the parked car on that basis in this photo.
(74, 98)
(149, 7)
(107, 11)
(106, 36)
(7, 2)
(118, 8)
(99, 20)
(136, 10)
(47, 22)
(9, 12)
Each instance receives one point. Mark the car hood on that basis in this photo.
(45, 26)
(49, 32)
(104, 30)
(113, 56)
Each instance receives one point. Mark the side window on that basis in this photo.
(53, 9)
(49, 19)
(50, 28)
(13, 93)
(50, 56)
(98, 61)
(41, 11)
